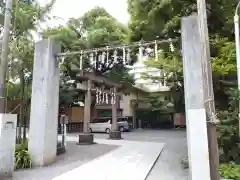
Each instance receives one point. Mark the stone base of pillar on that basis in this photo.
(6, 176)
(85, 139)
(60, 149)
(115, 135)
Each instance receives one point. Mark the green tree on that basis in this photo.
(96, 28)
(170, 64)
(161, 18)
(27, 16)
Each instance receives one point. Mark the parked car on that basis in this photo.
(104, 124)
(123, 124)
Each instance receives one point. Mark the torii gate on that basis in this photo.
(88, 83)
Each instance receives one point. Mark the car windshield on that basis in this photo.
(121, 119)
(100, 120)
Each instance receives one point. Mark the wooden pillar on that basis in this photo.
(115, 133)
(87, 107)
(134, 116)
(86, 137)
(114, 112)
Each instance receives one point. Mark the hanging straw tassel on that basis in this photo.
(91, 58)
(95, 60)
(171, 46)
(106, 98)
(97, 100)
(156, 50)
(124, 56)
(107, 58)
(81, 61)
(140, 53)
(115, 53)
(128, 56)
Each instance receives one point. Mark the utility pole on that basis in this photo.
(208, 90)
(4, 52)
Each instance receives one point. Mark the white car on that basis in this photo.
(105, 124)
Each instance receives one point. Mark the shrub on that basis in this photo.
(230, 171)
(228, 139)
(22, 157)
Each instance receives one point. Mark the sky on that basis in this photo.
(65, 9)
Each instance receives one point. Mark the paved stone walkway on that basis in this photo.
(73, 158)
(133, 160)
(167, 166)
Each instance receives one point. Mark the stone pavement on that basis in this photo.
(167, 166)
(73, 158)
(132, 160)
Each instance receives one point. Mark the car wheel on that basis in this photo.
(90, 130)
(107, 131)
(121, 129)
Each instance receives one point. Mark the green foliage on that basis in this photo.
(230, 171)
(171, 64)
(96, 28)
(162, 18)
(67, 96)
(159, 102)
(22, 157)
(229, 140)
(224, 57)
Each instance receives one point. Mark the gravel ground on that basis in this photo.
(74, 157)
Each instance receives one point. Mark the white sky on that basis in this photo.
(65, 9)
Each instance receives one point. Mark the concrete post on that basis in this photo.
(8, 126)
(115, 133)
(44, 104)
(197, 136)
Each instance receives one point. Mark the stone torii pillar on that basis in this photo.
(115, 133)
(86, 137)
(42, 143)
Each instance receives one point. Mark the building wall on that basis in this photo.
(77, 114)
(126, 103)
